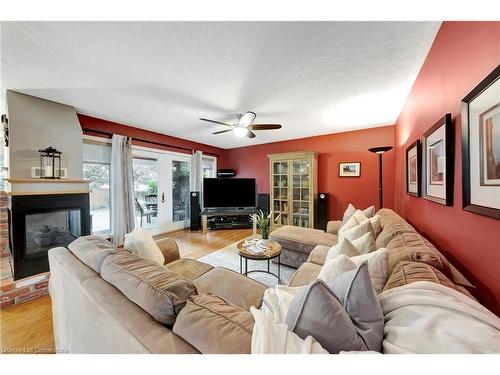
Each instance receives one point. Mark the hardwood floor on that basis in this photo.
(27, 328)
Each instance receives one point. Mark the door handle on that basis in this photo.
(162, 197)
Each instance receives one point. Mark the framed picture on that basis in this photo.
(438, 152)
(349, 169)
(481, 147)
(413, 168)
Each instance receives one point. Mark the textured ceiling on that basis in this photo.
(312, 77)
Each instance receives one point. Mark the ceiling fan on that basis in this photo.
(244, 126)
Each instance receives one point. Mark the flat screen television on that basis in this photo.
(229, 192)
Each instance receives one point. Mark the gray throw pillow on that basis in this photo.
(92, 250)
(319, 313)
(355, 291)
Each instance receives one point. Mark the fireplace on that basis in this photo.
(41, 222)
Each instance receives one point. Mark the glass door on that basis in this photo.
(146, 181)
(161, 184)
(280, 192)
(300, 193)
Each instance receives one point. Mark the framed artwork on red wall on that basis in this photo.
(349, 169)
(481, 147)
(438, 152)
(413, 168)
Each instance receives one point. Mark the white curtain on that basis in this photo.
(122, 189)
(197, 173)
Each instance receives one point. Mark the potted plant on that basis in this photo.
(263, 221)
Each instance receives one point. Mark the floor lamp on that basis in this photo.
(380, 151)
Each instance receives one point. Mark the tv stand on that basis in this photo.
(227, 218)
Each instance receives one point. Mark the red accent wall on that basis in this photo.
(462, 54)
(252, 161)
(92, 123)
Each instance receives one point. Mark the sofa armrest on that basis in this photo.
(333, 226)
(169, 249)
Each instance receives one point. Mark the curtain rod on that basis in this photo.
(109, 135)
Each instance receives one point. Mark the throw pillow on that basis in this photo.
(355, 291)
(361, 245)
(378, 267)
(345, 247)
(319, 313)
(375, 221)
(369, 212)
(336, 266)
(349, 224)
(141, 243)
(357, 231)
(348, 213)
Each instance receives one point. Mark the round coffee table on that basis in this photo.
(273, 252)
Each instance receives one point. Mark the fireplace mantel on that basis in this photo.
(41, 186)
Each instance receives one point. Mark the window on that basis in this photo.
(145, 174)
(97, 168)
(209, 166)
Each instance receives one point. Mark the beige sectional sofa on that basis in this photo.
(93, 316)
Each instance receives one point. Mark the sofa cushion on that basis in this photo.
(302, 239)
(155, 289)
(411, 247)
(141, 243)
(409, 272)
(318, 312)
(92, 250)
(231, 286)
(213, 326)
(318, 255)
(189, 269)
(388, 216)
(305, 274)
(391, 230)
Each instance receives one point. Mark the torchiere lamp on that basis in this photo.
(380, 150)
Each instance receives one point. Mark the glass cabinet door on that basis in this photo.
(280, 192)
(300, 193)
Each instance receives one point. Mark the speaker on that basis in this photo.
(263, 202)
(195, 210)
(321, 211)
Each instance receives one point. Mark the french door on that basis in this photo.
(161, 184)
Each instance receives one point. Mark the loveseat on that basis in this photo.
(93, 316)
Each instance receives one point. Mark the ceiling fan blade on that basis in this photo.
(250, 134)
(216, 122)
(247, 119)
(264, 126)
(223, 131)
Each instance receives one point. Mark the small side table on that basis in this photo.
(273, 252)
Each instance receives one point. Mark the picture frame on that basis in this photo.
(350, 169)
(480, 114)
(438, 149)
(414, 169)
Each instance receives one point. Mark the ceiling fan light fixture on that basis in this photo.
(240, 131)
(247, 119)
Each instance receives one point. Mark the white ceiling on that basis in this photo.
(312, 77)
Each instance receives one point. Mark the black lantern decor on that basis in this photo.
(50, 163)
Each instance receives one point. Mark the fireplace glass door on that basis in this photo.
(50, 229)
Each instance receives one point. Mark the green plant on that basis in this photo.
(152, 186)
(263, 221)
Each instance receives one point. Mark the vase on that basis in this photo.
(265, 242)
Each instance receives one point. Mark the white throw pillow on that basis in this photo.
(349, 224)
(333, 267)
(277, 301)
(345, 247)
(350, 210)
(369, 212)
(378, 267)
(357, 231)
(375, 221)
(364, 244)
(141, 243)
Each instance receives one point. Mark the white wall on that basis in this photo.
(36, 124)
